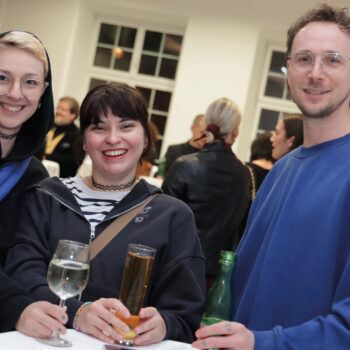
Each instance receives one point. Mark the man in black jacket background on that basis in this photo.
(62, 142)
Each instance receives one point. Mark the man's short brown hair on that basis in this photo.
(74, 104)
(322, 13)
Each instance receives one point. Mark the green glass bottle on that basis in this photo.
(218, 304)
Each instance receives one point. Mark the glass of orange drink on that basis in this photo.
(137, 270)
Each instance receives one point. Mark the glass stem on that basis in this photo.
(62, 302)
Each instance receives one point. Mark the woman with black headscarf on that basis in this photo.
(26, 114)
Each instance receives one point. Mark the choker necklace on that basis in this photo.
(113, 187)
(8, 137)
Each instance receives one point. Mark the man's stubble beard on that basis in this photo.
(323, 113)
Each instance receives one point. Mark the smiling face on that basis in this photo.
(115, 146)
(319, 94)
(15, 108)
(281, 145)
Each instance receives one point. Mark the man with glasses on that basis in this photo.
(292, 281)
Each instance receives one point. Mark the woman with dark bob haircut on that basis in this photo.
(115, 132)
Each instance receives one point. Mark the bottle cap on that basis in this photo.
(227, 257)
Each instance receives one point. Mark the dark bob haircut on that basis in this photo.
(122, 100)
(293, 124)
(261, 147)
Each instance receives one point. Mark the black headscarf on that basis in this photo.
(33, 132)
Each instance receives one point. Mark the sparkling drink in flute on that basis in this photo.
(67, 276)
(137, 270)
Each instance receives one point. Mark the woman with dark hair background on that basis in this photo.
(288, 135)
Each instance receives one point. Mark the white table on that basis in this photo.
(81, 341)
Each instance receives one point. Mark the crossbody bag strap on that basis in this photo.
(253, 189)
(114, 228)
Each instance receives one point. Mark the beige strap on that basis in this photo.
(253, 182)
(114, 228)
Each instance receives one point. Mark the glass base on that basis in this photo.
(127, 342)
(56, 341)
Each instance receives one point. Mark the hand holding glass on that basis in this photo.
(67, 276)
(137, 270)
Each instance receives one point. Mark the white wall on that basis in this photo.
(216, 61)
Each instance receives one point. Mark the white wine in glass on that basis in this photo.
(67, 276)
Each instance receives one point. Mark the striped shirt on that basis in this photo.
(95, 205)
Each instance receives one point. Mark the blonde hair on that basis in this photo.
(224, 113)
(28, 42)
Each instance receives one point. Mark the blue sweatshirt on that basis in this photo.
(292, 281)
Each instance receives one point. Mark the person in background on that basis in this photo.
(145, 165)
(291, 284)
(215, 184)
(115, 130)
(26, 114)
(288, 135)
(193, 145)
(62, 141)
(261, 160)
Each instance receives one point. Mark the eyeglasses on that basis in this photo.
(332, 62)
(32, 89)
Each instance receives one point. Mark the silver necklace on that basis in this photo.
(112, 187)
(8, 137)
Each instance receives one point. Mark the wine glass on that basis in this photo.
(67, 276)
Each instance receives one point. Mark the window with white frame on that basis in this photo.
(274, 98)
(144, 57)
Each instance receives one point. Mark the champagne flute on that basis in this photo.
(67, 276)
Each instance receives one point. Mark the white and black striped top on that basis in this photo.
(95, 205)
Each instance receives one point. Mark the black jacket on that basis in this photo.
(13, 301)
(175, 151)
(68, 152)
(216, 185)
(176, 287)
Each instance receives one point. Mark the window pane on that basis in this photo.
(159, 121)
(103, 57)
(96, 82)
(148, 65)
(152, 41)
(107, 33)
(172, 44)
(162, 101)
(146, 93)
(275, 86)
(127, 37)
(168, 68)
(268, 119)
(123, 63)
(277, 61)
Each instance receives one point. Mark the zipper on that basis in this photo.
(92, 229)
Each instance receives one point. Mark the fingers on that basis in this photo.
(152, 327)
(40, 319)
(229, 335)
(99, 319)
(223, 328)
(55, 311)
